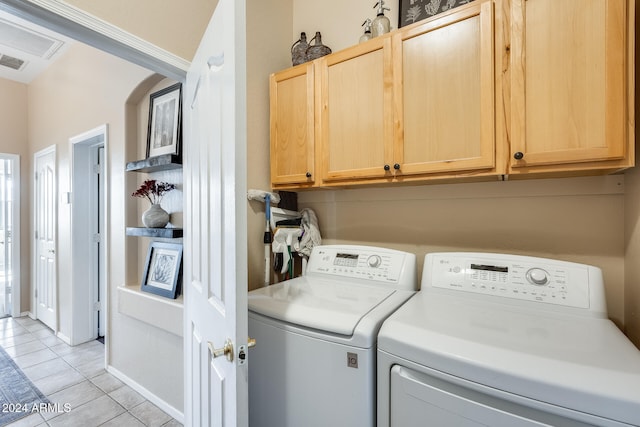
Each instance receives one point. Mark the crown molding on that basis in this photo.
(86, 28)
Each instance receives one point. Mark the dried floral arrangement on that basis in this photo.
(153, 190)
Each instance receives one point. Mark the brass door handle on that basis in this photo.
(227, 350)
(251, 342)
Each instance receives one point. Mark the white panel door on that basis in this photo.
(9, 235)
(215, 277)
(45, 237)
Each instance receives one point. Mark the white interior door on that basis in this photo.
(215, 279)
(45, 237)
(9, 235)
(100, 242)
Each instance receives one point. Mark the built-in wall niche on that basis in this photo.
(161, 312)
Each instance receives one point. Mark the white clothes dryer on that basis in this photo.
(505, 340)
(315, 357)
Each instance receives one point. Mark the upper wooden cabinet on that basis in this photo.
(356, 112)
(570, 85)
(420, 102)
(293, 126)
(489, 89)
(444, 93)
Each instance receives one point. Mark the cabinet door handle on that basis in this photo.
(386, 167)
(519, 155)
(308, 174)
(396, 166)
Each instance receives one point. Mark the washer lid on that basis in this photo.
(326, 305)
(581, 363)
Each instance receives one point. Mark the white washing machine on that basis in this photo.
(504, 340)
(315, 357)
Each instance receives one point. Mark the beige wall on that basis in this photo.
(85, 89)
(13, 122)
(265, 55)
(340, 22)
(174, 25)
(578, 219)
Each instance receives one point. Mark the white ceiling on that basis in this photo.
(26, 49)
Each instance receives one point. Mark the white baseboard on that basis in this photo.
(176, 414)
(64, 338)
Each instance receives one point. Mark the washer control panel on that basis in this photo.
(511, 276)
(362, 262)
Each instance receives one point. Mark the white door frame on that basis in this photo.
(15, 236)
(89, 252)
(34, 273)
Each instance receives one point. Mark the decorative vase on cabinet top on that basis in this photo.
(299, 50)
(318, 50)
(155, 217)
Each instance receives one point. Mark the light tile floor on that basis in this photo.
(74, 376)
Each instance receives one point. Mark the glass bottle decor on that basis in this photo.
(299, 50)
(318, 49)
(367, 31)
(381, 24)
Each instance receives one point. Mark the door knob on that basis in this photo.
(227, 350)
(518, 155)
(52, 251)
(251, 342)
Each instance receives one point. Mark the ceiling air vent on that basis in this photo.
(17, 37)
(11, 62)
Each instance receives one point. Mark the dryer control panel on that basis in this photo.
(516, 277)
(366, 263)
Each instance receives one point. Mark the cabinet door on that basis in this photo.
(292, 126)
(568, 81)
(356, 120)
(444, 93)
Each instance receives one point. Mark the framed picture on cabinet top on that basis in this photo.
(164, 134)
(416, 10)
(163, 269)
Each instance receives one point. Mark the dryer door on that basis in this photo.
(418, 399)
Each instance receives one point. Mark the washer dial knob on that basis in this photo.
(538, 276)
(374, 261)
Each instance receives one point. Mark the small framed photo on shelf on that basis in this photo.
(163, 269)
(416, 10)
(164, 134)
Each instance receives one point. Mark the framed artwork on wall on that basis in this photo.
(416, 10)
(163, 269)
(164, 134)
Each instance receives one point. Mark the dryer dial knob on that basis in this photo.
(538, 276)
(374, 261)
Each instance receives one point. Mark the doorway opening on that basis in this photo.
(88, 235)
(9, 235)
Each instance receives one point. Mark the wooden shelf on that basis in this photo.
(154, 164)
(168, 233)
